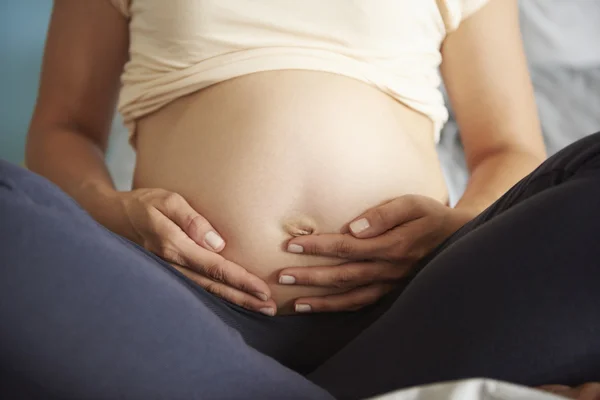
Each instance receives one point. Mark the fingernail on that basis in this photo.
(359, 225)
(261, 296)
(268, 311)
(303, 308)
(295, 248)
(214, 240)
(287, 280)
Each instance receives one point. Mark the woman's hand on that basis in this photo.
(383, 244)
(588, 391)
(168, 226)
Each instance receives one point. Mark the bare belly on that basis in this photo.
(266, 153)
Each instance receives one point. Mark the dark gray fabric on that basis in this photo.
(513, 295)
(86, 315)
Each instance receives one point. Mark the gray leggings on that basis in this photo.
(513, 295)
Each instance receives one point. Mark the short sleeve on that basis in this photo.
(469, 7)
(122, 6)
(453, 12)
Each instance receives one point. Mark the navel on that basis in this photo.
(299, 226)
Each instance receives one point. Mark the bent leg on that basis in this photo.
(86, 314)
(515, 297)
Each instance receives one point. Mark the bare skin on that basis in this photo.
(260, 180)
(588, 391)
(219, 196)
(301, 160)
(486, 77)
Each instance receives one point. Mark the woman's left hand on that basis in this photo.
(382, 245)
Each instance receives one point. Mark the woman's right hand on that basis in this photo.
(164, 223)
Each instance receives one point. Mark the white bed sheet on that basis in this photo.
(471, 389)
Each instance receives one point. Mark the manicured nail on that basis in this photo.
(261, 296)
(268, 311)
(214, 240)
(287, 280)
(295, 248)
(303, 308)
(359, 225)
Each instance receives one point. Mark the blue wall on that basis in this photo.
(23, 25)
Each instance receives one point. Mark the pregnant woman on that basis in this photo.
(286, 192)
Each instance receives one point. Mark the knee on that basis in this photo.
(584, 154)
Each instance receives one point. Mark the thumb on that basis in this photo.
(386, 216)
(196, 227)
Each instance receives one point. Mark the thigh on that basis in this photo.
(86, 314)
(514, 298)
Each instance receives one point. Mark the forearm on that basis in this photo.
(76, 164)
(493, 176)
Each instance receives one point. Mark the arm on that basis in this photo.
(86, 48)
(85, 52)
(486, 77)
(485, 72)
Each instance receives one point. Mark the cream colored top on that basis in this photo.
(180, 46)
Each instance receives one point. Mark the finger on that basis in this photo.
(230, 294)
(221, 270)
(177, 209)
(349, 275)
(386, 216)
(343, 246)
(350, 301)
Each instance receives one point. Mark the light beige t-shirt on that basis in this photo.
(180, 46)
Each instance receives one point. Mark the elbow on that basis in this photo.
(44, 137)
(528, 157)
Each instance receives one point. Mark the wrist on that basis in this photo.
(106, 205)
(466, 213)
(462, 215)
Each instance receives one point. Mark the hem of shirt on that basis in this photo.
(233, 65)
